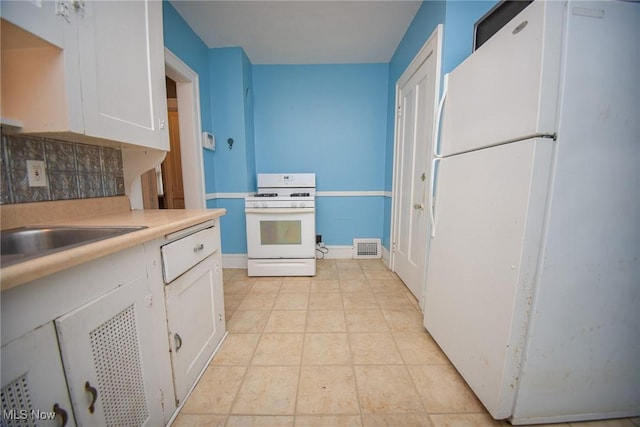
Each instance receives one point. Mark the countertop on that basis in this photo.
(158, 222)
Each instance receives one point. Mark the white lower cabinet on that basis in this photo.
(106, 346)
(195, 314)
(107, 343)
(34, 390)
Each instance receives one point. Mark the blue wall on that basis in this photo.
(330, 120)
(327, 119)
(229, 82)
(232, 109)
(334, 120)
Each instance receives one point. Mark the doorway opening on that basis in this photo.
(163, 186)
(178, 183)
(172, 194)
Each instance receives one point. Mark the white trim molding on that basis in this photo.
(234, 261)
(335, 252)
(188, 91)
(339, 252)
(214, 196)
(350, 193)
(386, 257)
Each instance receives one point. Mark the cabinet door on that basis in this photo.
(39, 18)
(196, 322)
(121, 56)
(107, 353)
(33, 384)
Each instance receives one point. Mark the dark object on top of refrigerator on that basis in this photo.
(496, 18)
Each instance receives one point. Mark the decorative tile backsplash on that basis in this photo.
(73, 170)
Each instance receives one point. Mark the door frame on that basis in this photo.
(433, 43)
(188, 94)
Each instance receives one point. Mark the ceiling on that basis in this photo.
(302, 31)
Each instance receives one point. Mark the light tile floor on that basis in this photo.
(345, 348)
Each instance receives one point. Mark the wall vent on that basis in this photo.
(366, 248)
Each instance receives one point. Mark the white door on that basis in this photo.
(416, 103)
(195, 313)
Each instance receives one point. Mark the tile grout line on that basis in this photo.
(246, 371)
(304, 339)
(353, 368)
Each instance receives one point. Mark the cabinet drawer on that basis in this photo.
(181, 255)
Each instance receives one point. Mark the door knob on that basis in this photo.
(418, 206)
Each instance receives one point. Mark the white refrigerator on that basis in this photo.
(533, 281)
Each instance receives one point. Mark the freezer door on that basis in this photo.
(507, 89)
(489, 209)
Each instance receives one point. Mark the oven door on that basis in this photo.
(281, 232)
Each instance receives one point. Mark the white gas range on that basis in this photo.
(281, 226)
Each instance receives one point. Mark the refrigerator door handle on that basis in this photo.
(436, 136)
(432, 208)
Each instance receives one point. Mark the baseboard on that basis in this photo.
(335, 252)
(386, 257)
(338, 252)
(234, 261)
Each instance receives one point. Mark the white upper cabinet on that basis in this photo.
(45, 19)
(121, 56)
(86, 71)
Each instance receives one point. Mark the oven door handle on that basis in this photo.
(269, 211)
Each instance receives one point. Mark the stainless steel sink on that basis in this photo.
(21, 244)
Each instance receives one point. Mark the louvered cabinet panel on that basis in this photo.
(34, 390)
(107, 354)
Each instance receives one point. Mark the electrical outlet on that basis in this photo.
(37, 173)
(318, 238)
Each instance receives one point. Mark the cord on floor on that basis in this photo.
(321, 250)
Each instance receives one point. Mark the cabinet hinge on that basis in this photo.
(78, 5)
(62, 9)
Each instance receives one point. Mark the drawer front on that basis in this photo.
(181, 255)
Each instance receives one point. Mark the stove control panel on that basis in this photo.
(308, 204)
